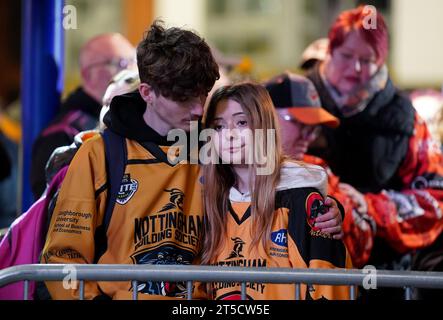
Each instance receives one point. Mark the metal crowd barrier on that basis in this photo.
(189, 273)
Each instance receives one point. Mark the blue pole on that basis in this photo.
(42, 76)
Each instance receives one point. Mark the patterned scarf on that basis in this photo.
(356, 101)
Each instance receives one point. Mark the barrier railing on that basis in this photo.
(190, 273)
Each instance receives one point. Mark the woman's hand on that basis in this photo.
(331, 221)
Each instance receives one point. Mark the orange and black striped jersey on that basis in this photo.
(387, 153)
(358, 227)
(294, 242)
(408, 218)
(411, 217)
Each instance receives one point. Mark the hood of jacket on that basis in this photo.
(292, 175)
(296, 175)
(125, 117)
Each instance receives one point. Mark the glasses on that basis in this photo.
(356, 61)
(117, 63)
(307, 130)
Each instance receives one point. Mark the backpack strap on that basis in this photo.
(116, 158)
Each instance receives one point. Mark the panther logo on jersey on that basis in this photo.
(164, 255)
(128, 188)
(176, 197)
(237, 250)
(315, 207)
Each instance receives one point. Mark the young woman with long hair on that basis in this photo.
(263, 218)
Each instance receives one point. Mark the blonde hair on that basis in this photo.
(219, 178)
(123, 82)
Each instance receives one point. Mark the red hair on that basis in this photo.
(354, 20)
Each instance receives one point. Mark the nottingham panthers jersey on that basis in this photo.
(294, 242)
(157, 218)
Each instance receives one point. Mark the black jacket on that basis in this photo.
(78, 113)
(367, 149)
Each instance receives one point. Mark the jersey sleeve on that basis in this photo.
(78, 212)
(410, 217)
(311, 248)
(358, 227)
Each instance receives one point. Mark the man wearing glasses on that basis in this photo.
(101, 58)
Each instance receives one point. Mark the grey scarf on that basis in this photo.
(356, 101)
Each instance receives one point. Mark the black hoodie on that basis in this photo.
(125, 117)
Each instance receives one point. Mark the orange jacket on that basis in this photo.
(408, 219)
(411, 218)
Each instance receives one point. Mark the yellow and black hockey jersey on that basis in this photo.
(157, 218)
(294, 241)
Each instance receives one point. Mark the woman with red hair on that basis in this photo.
(382, 147)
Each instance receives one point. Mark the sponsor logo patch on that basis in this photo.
(280, 237)
(128, 188)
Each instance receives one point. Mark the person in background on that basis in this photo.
(314, 53)
(101, 58)
(300, 116)
(382, 147)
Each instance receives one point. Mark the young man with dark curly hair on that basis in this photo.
(157, 218)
